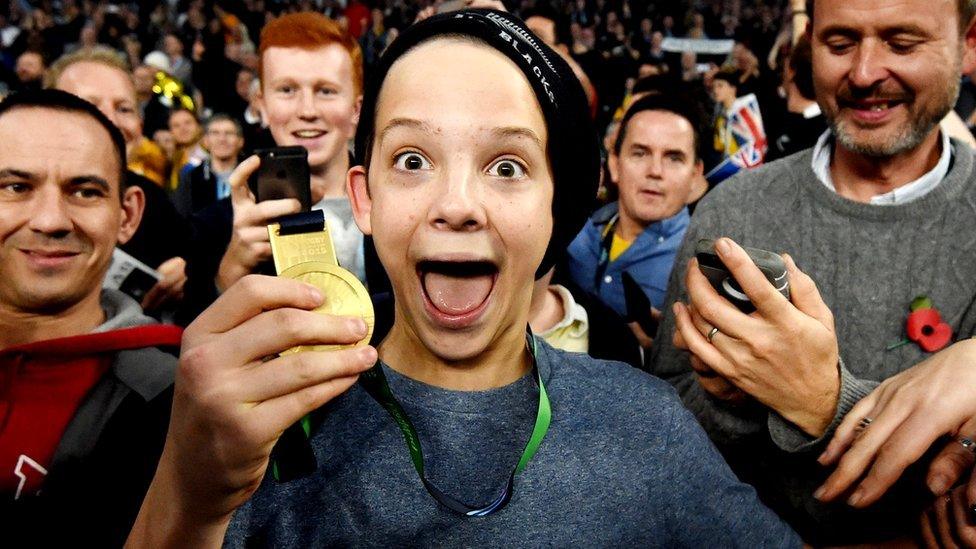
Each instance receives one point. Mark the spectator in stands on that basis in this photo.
(655, 164)
(740, 137)
(30, 71)
(210, 181)
(884, 187)
(804, 122)
(179, 65)
(100, 76)
(189, 152)
(155, 114)
(468, 224)
(86, 399)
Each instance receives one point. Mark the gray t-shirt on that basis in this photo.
(623, 464)
(346, 236)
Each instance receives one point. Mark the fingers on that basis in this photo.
(970, 498)
(713, 308)
(287, 409)
(250, 296)
(926, 529)
(861, 454)
(951, 463)
(902, 448)
(805, 295)
(240, 194)
(642, 338)
(696, 342)
(965, 528)
(942, 521)
(848, 429)
(752, 281)
(276, 331)
(295, 372)
(263, 213)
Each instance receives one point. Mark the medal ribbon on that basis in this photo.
(375, 383)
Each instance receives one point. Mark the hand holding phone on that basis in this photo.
(710, 265)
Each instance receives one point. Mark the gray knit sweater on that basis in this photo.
(869, 262)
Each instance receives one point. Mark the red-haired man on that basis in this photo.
(311, 83)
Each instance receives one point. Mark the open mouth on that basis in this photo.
(871, 107)
(456, 292)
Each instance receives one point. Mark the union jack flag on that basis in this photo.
(741, 136)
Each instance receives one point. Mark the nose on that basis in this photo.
(458, 204)
(307, 110)
(49, 213)
(655, 166)
(868, 67)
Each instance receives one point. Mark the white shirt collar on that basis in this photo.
(812, 111)
(820, 164)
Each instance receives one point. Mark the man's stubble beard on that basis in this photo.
(915, 131)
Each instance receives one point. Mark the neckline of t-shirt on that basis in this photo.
(959, 172)
(487, 402)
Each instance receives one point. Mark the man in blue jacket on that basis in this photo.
(655, 164)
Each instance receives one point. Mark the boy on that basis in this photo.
(472, 159)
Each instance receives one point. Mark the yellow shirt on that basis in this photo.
(618, 247)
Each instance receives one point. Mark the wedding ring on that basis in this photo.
(864, 423)
(711, 334)
(967, 444)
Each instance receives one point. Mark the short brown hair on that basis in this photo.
(97, 54)
(309, 31)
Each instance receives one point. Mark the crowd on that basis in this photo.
(639, 273)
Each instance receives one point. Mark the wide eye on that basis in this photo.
(507, 168)
(411, 161)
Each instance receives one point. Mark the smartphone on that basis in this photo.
(283, 174)
(638, 306)
(771, 265)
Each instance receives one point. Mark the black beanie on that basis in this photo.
(573, 148)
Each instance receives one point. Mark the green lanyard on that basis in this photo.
(374, 382)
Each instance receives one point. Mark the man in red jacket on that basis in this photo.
(84, 392)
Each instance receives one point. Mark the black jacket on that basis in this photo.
(105, 461)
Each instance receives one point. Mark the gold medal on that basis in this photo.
(344, 295)
(310, 257)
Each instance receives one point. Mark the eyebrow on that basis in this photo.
(404, 123)
(851, 32)
(77, 180)
(516, 132)
(14, 172)
(497, 133)
(93, 179)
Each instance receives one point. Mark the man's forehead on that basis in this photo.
(60, 138)
(91, 77)
(664, 127)
(330, 61)
(883, 13)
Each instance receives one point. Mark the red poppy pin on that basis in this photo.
(924, 326)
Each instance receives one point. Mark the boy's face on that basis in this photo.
(308, 98)
(459, 198)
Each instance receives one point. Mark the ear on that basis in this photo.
(612, 161)
(133, 204)
(357, 110)
(259, 99)
(699, 186)
(357, 189)
(969, 48)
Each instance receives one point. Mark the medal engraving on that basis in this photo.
(294, 249)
